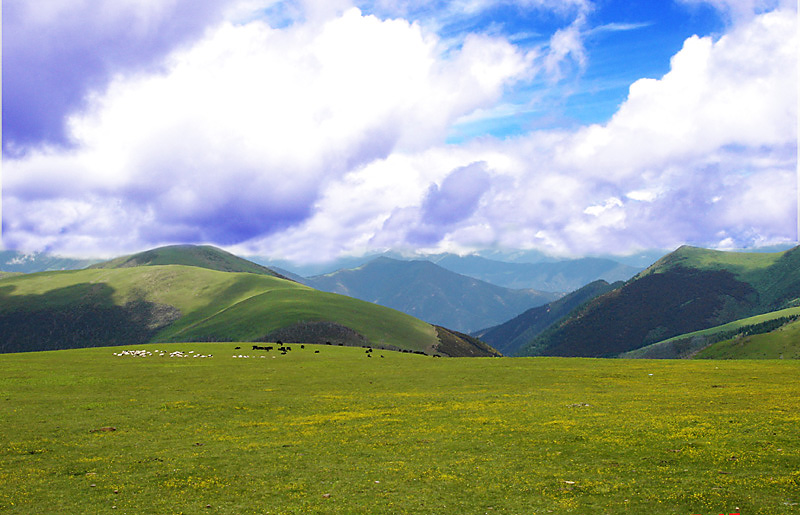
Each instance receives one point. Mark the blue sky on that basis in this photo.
(309, 130)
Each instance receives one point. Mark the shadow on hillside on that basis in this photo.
(82, 315)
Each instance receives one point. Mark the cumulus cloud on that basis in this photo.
(327, 137)
(54, 51)
(443, 206)
(239, 133)
(706, 154)
(739, 11)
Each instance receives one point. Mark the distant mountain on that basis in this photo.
(203, 256)
(688, 290)
(511, 336)
(311, 269)
(161, 299)
(558, 276)
(431, 293)
(27, 263)
(515, 270)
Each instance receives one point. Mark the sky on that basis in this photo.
(310, 130)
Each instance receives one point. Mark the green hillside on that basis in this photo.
(688, 345)
(203, 256)
(688, 290)
(156, 303)
(740, 263)
(781, 343)
(775, 275)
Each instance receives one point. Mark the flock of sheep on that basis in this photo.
(193, 354)
(175, 354)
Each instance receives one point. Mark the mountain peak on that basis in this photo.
(687, 256)
(202, 256)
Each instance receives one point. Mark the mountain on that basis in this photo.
(203, 256)
(312, 269)
(561, 276)
(510, 336)
(430, 292)
(515, 270)
(688, 290)
(121, 304)
(14, 261)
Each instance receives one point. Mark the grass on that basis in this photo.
(767, 352)
(783, 343)
(399, 434)
(742, 263)
(204, 256)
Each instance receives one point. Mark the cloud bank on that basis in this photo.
(327, 136)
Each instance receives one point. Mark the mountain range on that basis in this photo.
(690, 303)
(431, 293)
(526, 270)
(186, 293)
(555, 276)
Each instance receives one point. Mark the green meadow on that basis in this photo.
(338, 432)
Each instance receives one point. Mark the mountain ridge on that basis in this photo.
(556, 276)
(509, 337)
(687, 290)
(203, 256)
(427, 291)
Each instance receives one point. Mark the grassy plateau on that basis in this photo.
(340, 432)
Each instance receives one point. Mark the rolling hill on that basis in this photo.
(431, 293)
(120, 304)
(203, 256)
(700, 343)
(780, 343)
(688, 290)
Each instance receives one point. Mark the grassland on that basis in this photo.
(742, 263)
(337, 432)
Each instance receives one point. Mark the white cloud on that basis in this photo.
(566, 46)
(242, 131)
(327, 138)
(740, 90)
(706, 153)
(740, 11)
